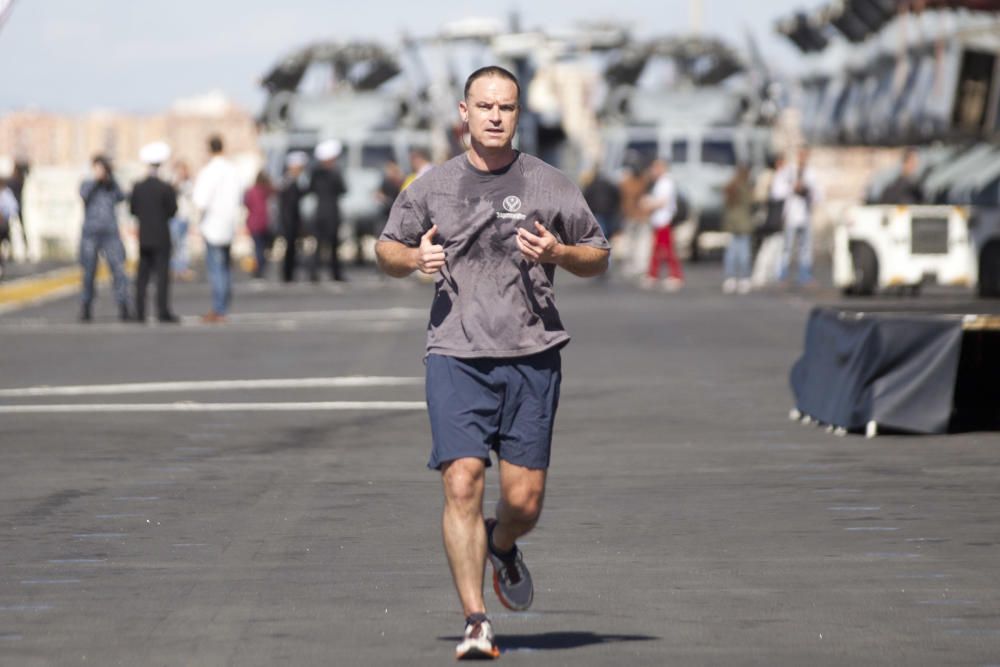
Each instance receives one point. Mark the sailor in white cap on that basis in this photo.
(328, 150)
(289, 199)
(154, 203)
(328, 185)
(154, 154)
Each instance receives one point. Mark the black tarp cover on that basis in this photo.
(895, 369)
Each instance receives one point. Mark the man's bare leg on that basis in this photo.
(463, 529)
(522, 491)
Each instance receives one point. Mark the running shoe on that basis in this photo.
(511, 579)
(478, 642)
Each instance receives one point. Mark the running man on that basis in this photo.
(492, 224)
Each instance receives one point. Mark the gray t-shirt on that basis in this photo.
(489, 300)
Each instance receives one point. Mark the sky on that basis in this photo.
(133, 55)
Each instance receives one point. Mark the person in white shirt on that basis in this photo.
(801, 193)
(661, 202)
(218, 197)
(8, 211)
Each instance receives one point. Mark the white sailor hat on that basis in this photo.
(297, 159)
(155, 153)
(328, 150)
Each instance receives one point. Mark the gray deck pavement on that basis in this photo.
(688, 522)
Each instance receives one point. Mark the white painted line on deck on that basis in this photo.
(214, 385)
(318, 406)
(395, 313)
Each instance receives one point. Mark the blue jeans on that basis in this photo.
(178, 240)
(219, 279)
(798, 240)
(736, 262)
(109, 244)
(260, 244)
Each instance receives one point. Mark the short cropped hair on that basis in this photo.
(215, 144)
(102, 160)
(492, 70)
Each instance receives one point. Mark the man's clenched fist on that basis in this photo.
(430, 257)
(542, 248)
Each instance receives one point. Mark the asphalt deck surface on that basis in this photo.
(687, 521)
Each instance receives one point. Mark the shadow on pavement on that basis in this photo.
(554, 641)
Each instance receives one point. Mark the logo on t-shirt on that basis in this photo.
(512, 203)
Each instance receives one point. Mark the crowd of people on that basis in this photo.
(168, 204)
(768, 219)
(164, 206)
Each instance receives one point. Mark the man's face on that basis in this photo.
(491, 111)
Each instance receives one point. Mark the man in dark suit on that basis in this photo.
(289, 201)
(328, 186)
(154, 202)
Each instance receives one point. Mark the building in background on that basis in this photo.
(60, 140)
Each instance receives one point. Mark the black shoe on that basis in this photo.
(124, 315)
(168, 318)
(85, 314)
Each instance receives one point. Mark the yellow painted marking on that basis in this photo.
(31, 288)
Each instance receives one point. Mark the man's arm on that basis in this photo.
(399, 260)
(581, 260)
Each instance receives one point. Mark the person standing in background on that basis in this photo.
(799, 206)
(101, 194)
(770, 191)
(180, 223)
(604, 200)
(661, 202)
(738, 221)
(905, 188)
(257, 201)
(217, 198)
(328, 186)
(420, 164)
(388, 189)
(632, 188)
(16, 185)
(154, 203)
(289, 202)
(8, 211)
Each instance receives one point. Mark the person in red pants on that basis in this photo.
(661, 202)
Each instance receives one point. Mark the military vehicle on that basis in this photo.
(696, 103)
(890, 73)
(369, 97)
(354, 93)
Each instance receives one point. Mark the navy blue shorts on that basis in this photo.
(507, 405)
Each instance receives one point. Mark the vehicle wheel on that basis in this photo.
(989, 270)
(865, 269)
